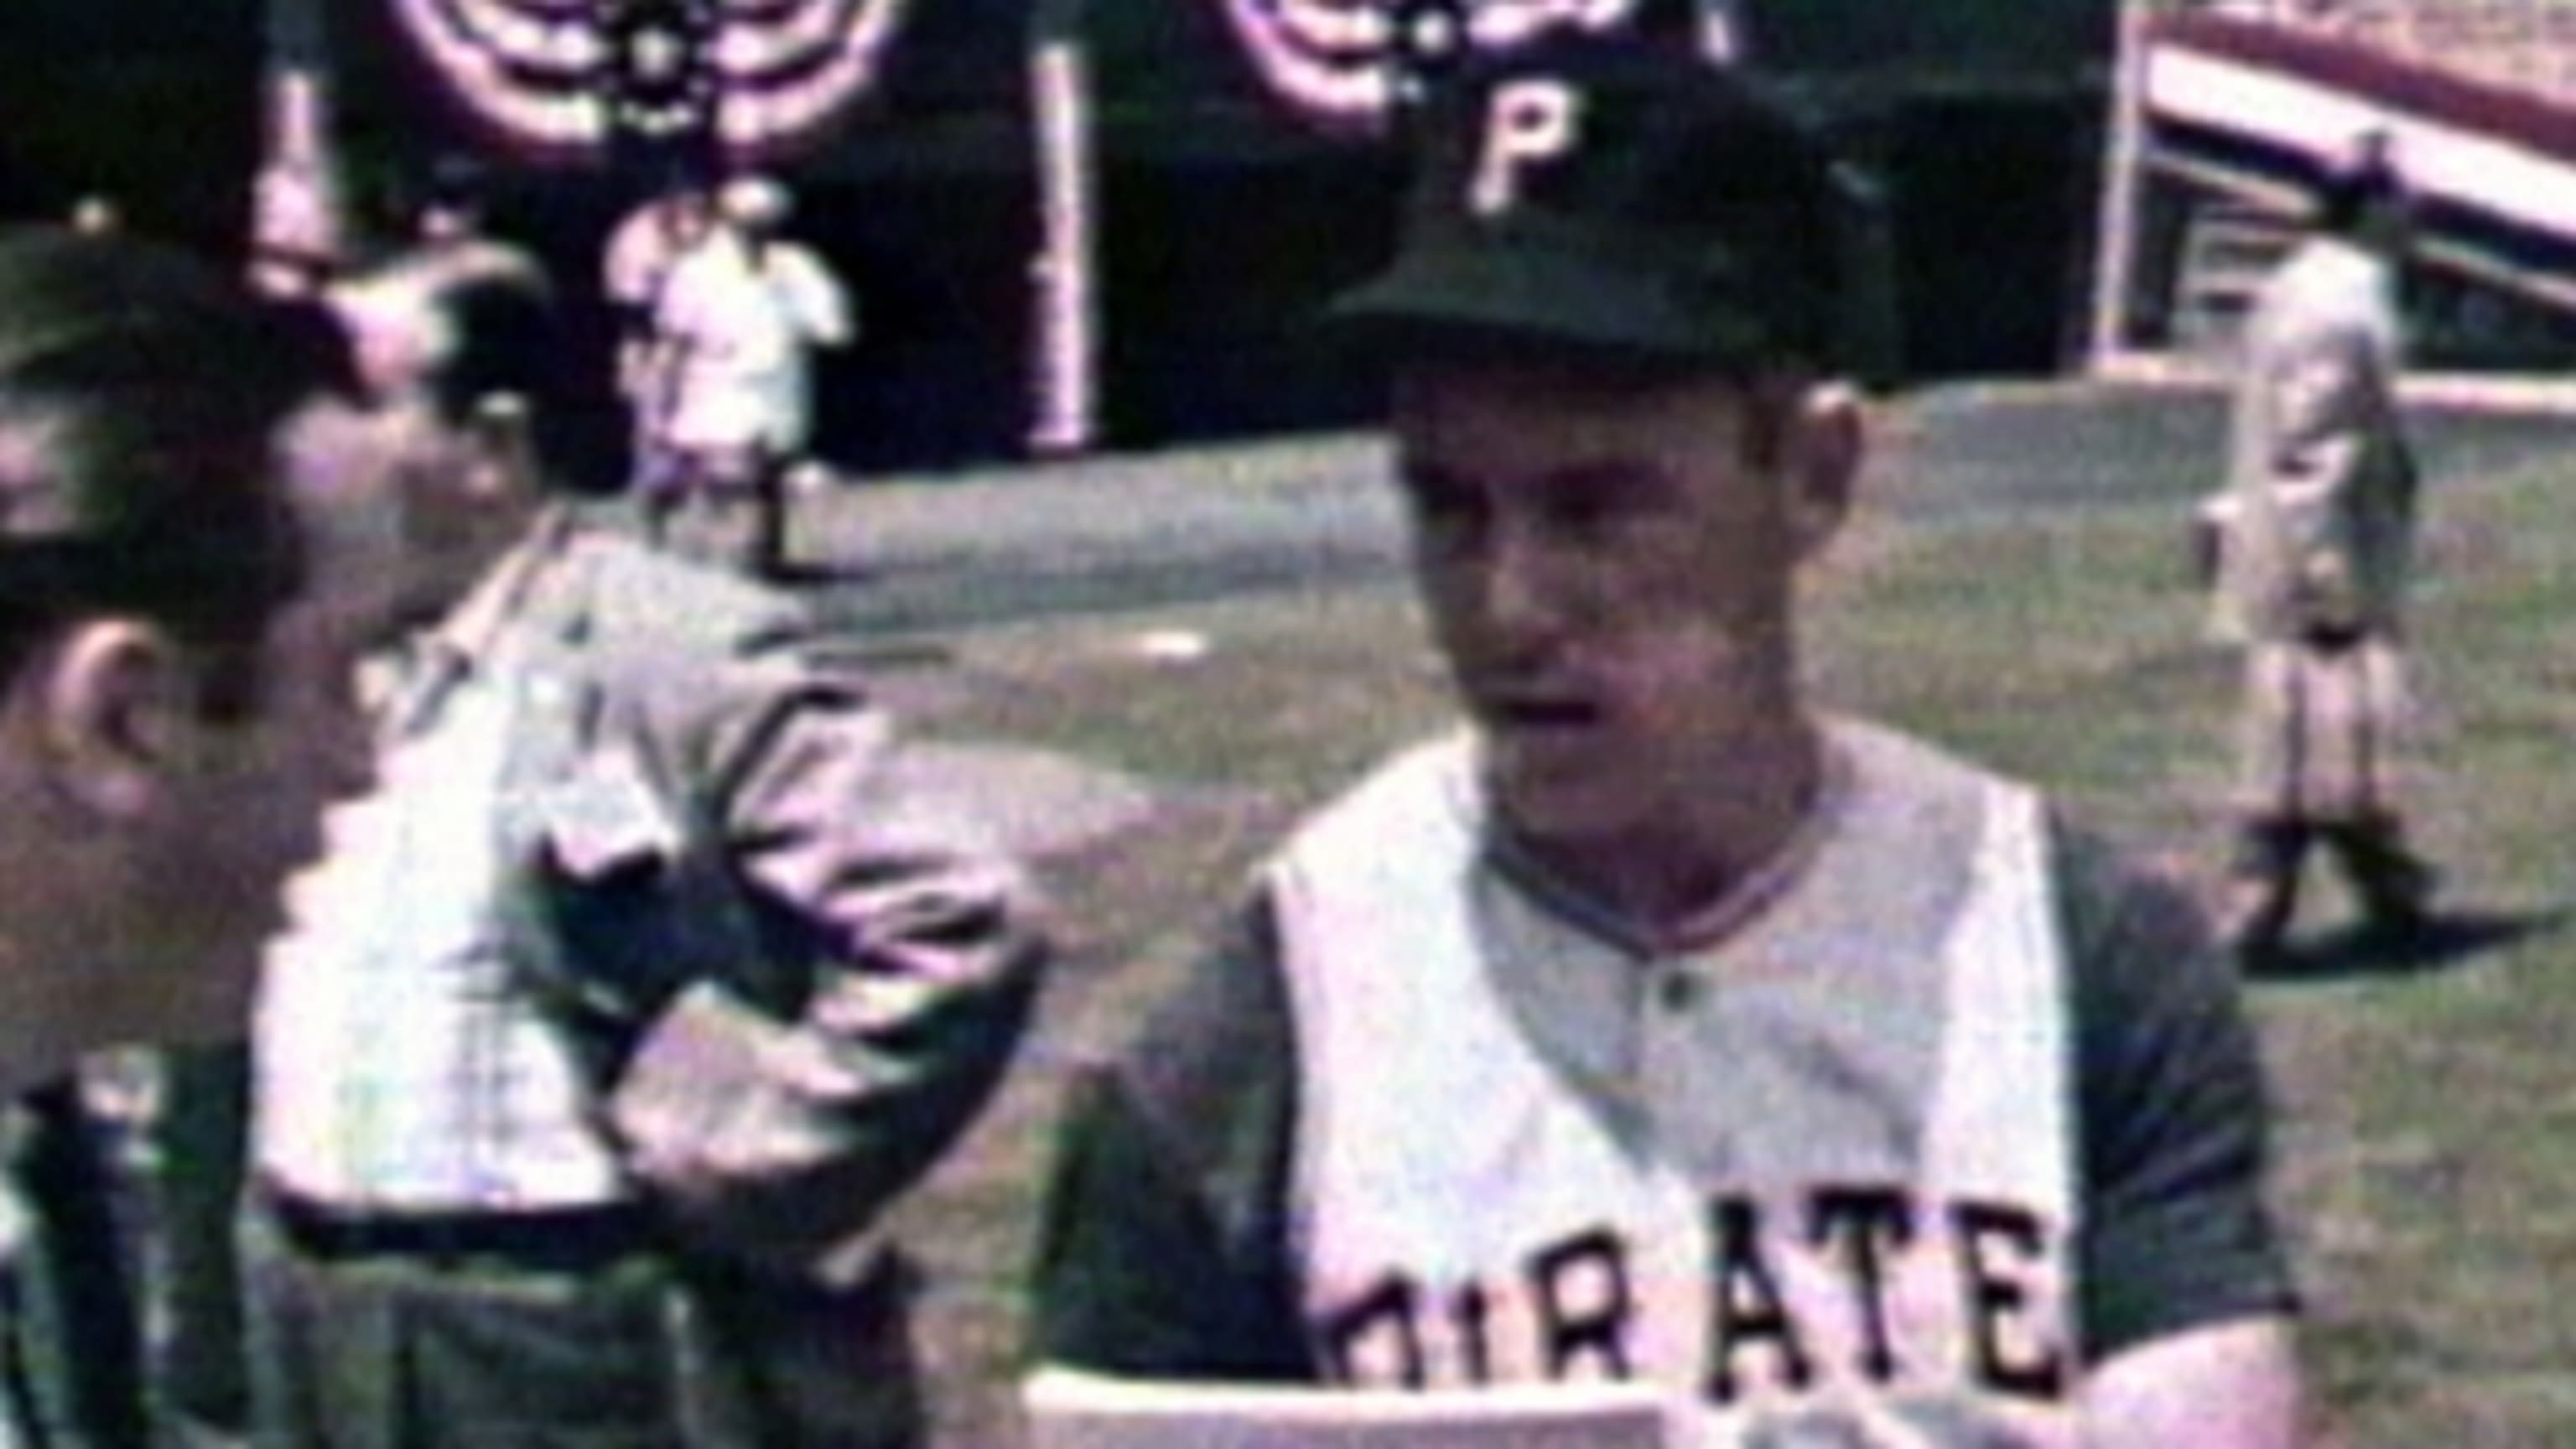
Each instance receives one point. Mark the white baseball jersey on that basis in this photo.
(1825, 1186)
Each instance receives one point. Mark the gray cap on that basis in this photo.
(1598, 195)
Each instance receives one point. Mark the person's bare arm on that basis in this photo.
(2226, 1386)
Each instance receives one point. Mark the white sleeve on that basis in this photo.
(815, 299)
(680, 309)
(626, 268)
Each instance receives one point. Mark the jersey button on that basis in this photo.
(1677, 991)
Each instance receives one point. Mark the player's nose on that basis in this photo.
(1521, 587)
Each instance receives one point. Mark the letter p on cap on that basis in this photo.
(1526, 121)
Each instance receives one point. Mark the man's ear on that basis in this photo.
(114, 700)
(1821, 461)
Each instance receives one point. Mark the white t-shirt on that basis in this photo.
(640, 253)
(744, 328)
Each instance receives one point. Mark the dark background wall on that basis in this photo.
(1218, 271)
(152, 102)
(1993, 205)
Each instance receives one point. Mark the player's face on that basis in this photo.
(1608, 570)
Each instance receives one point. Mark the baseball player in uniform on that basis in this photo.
(2315, 569)
(1655, 1025)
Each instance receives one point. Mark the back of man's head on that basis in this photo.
(474, 332)
(140, 397)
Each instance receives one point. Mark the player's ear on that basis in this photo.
(1822, 445)
(113, 712)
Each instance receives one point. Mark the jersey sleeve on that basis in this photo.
(2173, 1111)
(1163, 1242)
(840, 967)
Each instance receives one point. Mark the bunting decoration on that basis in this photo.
(748, 77)
(1347, 64)
(660, 88)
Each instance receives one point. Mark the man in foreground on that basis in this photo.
(189, 574)
(616, 1017)
(1658, 1026)
(2315, 568)
(194, 559)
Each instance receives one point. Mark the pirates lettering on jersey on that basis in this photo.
(1574, 1311)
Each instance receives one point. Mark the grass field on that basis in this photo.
(2427, 1151)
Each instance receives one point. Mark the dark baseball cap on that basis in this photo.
(1619, 197)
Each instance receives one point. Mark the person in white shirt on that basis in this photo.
(737, 321)
(634, 267)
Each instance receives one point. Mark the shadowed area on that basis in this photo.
(2450, 939)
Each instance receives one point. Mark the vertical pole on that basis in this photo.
(1721, 32)
(296, 225)
(2123, 178)
(1066, 356)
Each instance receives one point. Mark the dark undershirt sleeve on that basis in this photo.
(1162, 1246)
(2174, 1115)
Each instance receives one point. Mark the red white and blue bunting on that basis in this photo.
(749, 76)
(1344, 63)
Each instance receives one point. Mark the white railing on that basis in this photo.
(2527, 45)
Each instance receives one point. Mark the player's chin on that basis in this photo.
(1557, 783)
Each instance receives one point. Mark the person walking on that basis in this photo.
(2315, 567)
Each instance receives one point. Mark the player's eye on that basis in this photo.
(1591, 502)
